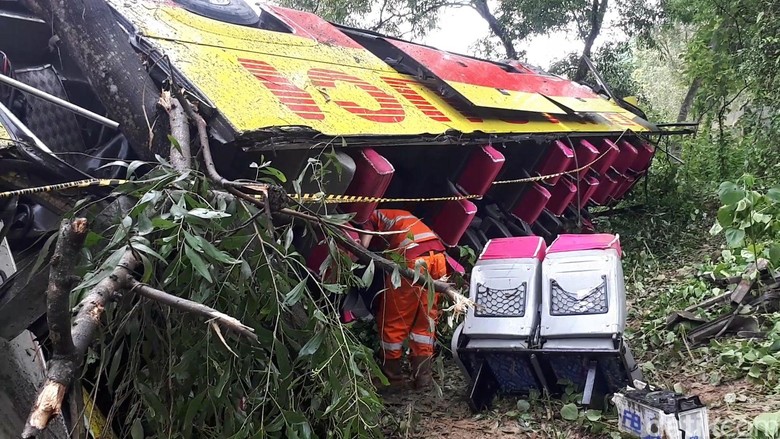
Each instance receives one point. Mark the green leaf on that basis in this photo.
(174, 142)
(726, 215)
(288, 238)
(570, 412)
(217, 254)
(273, 172)
(368, 275)
(208, 213)
(774, 253)
(43, 255)
(523, 405)
(143, 248)
(192, 410)
(395, 278)
(116, 361)
(197, 263)
(729, 193)
(137, 430)
(593, 415)
(766, 426)
(715, 229)
(312, 345)
(222, 382)
(295, 294)
(774, 194)
(735, 237)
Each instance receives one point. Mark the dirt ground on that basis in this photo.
(444, 413)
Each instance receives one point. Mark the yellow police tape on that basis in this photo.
(98, 424)
(303, 198)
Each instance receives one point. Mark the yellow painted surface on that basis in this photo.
(207, 52)
(506, 99)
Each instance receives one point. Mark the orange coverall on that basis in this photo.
(403, 312)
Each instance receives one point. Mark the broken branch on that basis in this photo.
(181, 156)
(459, 301)
(62, 367)
(189, 306)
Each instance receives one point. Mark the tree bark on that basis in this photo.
(687, 103)
(62, 366)
(496, 27)
(102, 50)
(181, 155)
(598, 10)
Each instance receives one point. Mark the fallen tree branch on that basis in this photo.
(83, 332)
(460, 302)
(62, 366)
(181, 155)
(62, 371)
(189, 306)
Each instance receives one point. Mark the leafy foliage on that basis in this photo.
(750, 219)
(168, 372)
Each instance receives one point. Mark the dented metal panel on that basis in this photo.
(260, 79)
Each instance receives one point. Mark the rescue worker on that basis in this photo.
(405, 312)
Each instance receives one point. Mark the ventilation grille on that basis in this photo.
(567, 303)
(493, 302)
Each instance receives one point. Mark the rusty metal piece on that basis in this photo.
(748, 281)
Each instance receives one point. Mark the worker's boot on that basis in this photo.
(422, 372)
(392, 370)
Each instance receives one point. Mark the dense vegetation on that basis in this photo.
(712, 205)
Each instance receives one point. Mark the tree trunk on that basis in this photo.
(101, 49)
(598, 10)
(498, 29)
(687, 103)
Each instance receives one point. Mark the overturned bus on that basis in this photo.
(479, 149)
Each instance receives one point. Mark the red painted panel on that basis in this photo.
(296, 99)
(579, 242)
(588, 187)
(520, 247)
(309, 25)
(457, 68)
(390, 110)
(623, 188)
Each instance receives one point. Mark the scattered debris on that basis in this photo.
(649, 412)
(757, 289)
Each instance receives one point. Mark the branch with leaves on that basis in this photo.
(71, 340)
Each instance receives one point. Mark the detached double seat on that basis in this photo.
(545, 316)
